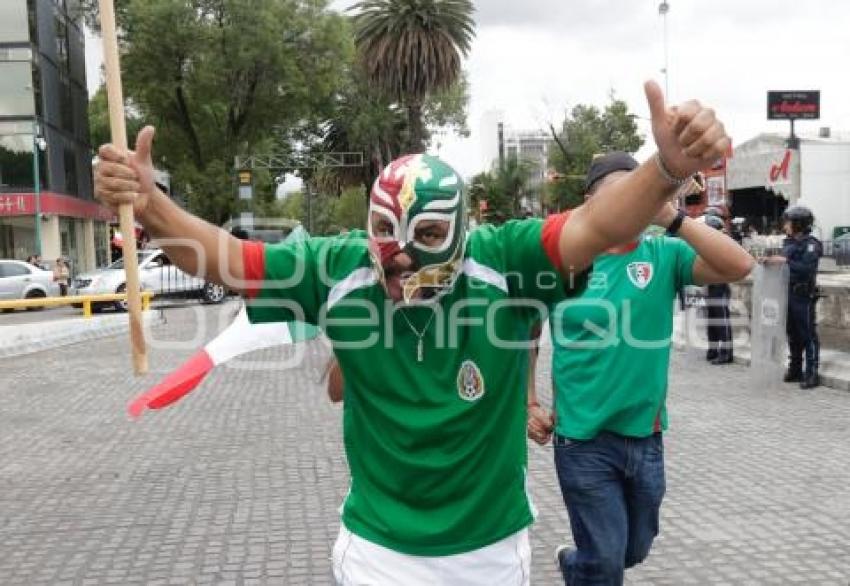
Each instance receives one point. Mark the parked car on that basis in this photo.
(156, 274)
(21, 280)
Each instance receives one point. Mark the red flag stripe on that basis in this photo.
(175, 386)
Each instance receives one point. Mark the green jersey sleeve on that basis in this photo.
(531, 260)
(292, 281)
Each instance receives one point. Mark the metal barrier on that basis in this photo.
(841, 251)
(85, 300)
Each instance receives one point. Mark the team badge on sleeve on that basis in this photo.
(470, 383)
(640, 274)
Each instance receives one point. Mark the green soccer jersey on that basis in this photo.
(435, 437)
(611, 344)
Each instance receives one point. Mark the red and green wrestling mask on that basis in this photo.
(417, 207)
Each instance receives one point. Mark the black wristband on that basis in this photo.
(676, 224)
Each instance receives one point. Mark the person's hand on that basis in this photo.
(541, 423)
(665, 216)
(123, 177)
(689, 137)
(772, 260)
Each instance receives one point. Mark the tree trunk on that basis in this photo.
(416, 143)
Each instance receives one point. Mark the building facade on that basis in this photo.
(765, 177)
(46, 199)
(532, 147)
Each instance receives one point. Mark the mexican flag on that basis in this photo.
(239, 338)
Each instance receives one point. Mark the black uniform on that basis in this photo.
(717, 307)
(802, 255)
(719, 327)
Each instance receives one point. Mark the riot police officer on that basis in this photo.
(717, 308)
(802, 252)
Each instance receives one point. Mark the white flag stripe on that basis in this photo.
(242, 337)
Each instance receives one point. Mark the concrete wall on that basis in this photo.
(825, 184)
(832, 310)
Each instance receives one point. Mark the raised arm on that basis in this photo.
(719, 258)
(689, 138)
(197, 247)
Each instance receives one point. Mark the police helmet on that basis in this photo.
(714, 222)
(800, 217)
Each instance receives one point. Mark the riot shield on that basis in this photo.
(767, 325)
(691, 331)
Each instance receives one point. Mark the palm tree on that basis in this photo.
(411, 48)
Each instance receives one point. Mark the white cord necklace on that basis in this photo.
(420, 348)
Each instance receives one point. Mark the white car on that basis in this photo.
(156, 274)
(21, 280)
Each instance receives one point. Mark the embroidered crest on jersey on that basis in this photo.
(470, 383)
(640, 274)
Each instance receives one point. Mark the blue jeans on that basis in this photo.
(613, 487)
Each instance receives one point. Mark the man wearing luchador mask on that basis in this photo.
(430, 327)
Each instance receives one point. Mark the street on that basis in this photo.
(240, 483)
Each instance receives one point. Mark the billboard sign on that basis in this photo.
(791, 105)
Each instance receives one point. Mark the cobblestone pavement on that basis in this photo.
(240, 483)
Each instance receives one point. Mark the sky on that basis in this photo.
(535, 59)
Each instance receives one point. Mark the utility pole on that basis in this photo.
(663, 9)
(37, 143)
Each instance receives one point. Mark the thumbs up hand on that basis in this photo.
(689, 137)
(123, 177)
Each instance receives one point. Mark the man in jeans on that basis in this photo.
(611, 351)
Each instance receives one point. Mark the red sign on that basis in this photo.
(23, 204)
(781, 170)
(793, 105)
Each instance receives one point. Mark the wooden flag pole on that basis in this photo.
(118, 127)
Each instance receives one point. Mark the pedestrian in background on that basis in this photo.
(717, 311)
(61, 275)
(610, 358)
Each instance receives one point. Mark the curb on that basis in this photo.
(21, 339)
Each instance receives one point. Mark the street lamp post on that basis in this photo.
(38, 144)
(663, 9)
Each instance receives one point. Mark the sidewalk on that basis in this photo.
(834, 365)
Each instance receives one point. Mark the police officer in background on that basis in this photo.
(802, 252)
(717, 307)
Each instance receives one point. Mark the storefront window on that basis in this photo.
(14, 21)
(101, 244)
(72, 242)
(17, 237)
(16, 164)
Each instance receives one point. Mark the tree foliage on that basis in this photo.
(216, 76)
(411, 49)
(220, 78)
(322, 214)
(503, 189)
(584, 133)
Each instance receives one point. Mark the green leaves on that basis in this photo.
(586, 132)
(410, 49)
(221, 78)
(216, 76)
(503, 189)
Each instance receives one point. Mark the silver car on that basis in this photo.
(156, 274)
(21, 280)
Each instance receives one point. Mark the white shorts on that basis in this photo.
(357, 562)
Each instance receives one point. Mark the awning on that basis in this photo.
(765, 162)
